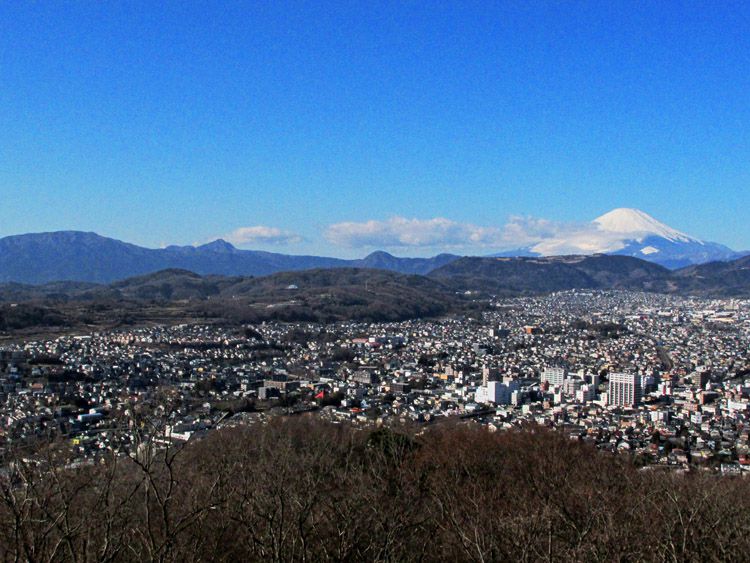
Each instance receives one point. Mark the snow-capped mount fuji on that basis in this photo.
(631, 232)
(642, 236)
(635, 222)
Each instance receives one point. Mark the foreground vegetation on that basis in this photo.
(302, 490)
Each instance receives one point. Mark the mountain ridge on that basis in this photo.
(81, 256)
(463, 286)
(534, 275)
(39, 258)
(491, 276)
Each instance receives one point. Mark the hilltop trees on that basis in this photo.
(302, 490)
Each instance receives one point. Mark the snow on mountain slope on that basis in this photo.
(631, 232)
(611, 232)
(638, 224)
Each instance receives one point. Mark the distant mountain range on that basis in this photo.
(87, 257)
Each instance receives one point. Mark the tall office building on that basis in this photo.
(624, 389)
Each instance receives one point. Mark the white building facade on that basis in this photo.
(625, 390)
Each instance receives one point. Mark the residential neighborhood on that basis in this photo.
(663, 378)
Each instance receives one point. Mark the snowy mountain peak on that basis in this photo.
(628, 221)
(629, 232)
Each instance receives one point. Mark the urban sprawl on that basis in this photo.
(665, 379)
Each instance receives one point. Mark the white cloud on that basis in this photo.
(551, 238)
(540, 235)
(260, 234)
(522, 231)
(412, 233)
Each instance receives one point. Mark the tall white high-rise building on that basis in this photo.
(554, 376)
(624, 389)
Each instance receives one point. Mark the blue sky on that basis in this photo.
(332, 128)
